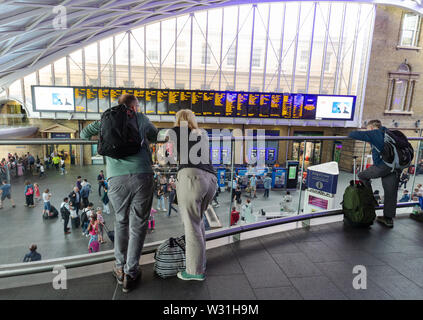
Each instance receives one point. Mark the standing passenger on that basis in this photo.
(195, 188)
(131, 193)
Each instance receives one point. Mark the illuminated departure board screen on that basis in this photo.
(103, 99)
(219, 104)
(201, 102)
(173, 101)
(114, 96)
(80, 99)
(242, 105)
(197, 103)
(264, 108)
(150, 101)
(230, 106)
(162, 101)
(140, 95)
(185, 101)
(253, 104)
(275, 105)
(309, 107)
(92, 100)
(208, 103)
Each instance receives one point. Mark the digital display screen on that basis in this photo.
(264, 109)
(53, 99)
(219, 104)
(114, 96)
(173, 101)
(197, 103)
(253, 104)
(140, 95)
(202, 103)
(335, 107)
(162, 101)
(242, 105)
(275, 105)
(292, 174)
(92, 100)
(185, 102)
(231, 104)
(208, 103)
(80, 99)
(150, 101)
(103, 100)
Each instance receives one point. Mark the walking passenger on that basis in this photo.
(5, 193)
(131, 193)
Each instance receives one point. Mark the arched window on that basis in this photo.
(401, 89)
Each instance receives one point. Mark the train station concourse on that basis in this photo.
(211, 151)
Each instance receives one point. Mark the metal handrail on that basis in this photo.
(41, 141)
(108, 256)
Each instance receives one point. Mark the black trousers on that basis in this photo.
(65, 223)
(30, 200)
(266, 193)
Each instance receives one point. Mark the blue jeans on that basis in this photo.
(161, 203)
(131, 196)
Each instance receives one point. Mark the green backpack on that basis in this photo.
(359, 205)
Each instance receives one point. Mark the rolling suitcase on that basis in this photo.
(110, 234)
(75, 222)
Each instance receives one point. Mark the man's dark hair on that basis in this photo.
(91, 204)
(65, 199)
(79, 177)
(127, 99)
(375, 123)
(33, 247)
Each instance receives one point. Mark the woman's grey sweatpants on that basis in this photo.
(195, 189)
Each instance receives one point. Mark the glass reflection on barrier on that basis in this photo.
(258, 181)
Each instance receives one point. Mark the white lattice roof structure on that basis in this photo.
(33, 33)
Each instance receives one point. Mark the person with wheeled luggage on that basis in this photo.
(391, 152)
(5, 193)
(65, 211)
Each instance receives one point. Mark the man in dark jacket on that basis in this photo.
(390, 180)
(33, 255)
(75, 198)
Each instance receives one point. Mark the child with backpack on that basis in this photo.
(29, 194)
(93, 244)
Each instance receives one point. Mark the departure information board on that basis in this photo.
(103, 100)
(219, 104)
(197, 103)
(80, 99)
(150, 101)
(173, 102)
(242, 105)
(202, 103)
(162, 101)
(253, 105)
(208, 103)
(92, 100)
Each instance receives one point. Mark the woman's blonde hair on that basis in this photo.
(187, 116)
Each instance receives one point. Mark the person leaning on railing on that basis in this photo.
(195, 188)
(130, 190)
(390, 180)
